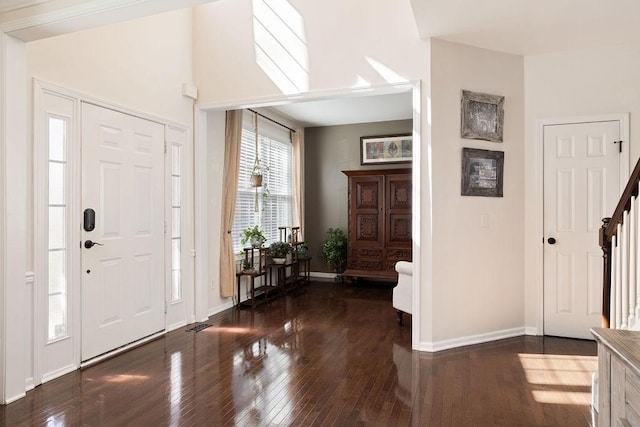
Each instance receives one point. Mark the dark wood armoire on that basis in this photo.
(379, 230)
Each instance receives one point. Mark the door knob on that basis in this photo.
(89, 244)
(551, 241)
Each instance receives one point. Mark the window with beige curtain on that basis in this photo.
(275, 209)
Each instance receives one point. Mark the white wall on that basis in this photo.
(140, 64)
(344, 43)
(569, 84)
(478, 272)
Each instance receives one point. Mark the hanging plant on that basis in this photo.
(256, 177)
(256, 173)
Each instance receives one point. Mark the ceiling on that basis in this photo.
(529, 27)
(348, 110)
(8, 5)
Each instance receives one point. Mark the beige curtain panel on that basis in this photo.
(297, 141)
(233, 136)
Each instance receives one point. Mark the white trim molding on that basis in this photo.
(175, 326)
(321, 275)
(534, 204)
(471, 340)
(51, 18)
(29, 282)
(119, 350)
(220, 308)
(46, 92)
(419, 171)
(13, 206)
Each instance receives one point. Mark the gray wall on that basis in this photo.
(327, 152)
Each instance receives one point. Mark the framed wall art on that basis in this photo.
(482, 172)
(482, 116)
(375, 150)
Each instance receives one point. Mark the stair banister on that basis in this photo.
(610, 229)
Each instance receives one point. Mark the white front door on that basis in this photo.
(581, 186)
(123, 182)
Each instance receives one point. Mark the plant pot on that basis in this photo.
(278, 260)
(256, 242)
(256, 180)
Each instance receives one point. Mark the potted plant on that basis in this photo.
(303, 248)
(279, 251)
(246, 266)
(253, 235)
(256, 175)
(334, 249)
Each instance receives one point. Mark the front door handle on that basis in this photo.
(551, 241)
(89, 244)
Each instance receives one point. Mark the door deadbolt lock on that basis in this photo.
(89, 219)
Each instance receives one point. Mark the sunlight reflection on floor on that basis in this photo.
(123, 378)
(559, 379)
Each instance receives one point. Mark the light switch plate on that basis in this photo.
(484, 220)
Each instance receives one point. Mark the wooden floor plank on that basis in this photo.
(329, 355)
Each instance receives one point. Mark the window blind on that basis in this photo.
(275, 196)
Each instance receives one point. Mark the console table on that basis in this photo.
(619, 377)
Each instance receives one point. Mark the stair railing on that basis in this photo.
(621, 257)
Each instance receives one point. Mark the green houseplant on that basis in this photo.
(302, 249)
(253, 235)
(246, 265)
(334, 249)
(279, 251)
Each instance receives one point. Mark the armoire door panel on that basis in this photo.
(368, 194)
(367, 228)
(399, 192)
(398, 230)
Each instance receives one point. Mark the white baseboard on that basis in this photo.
(29, 384)
(222, 307)
(59, 372)
(14, 398)
(432, 347)
(531, 330)
(321, 275)
(176, 326)
(117, 351)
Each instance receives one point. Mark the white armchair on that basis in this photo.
(403, 292)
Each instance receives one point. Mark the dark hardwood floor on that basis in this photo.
(329, 355)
